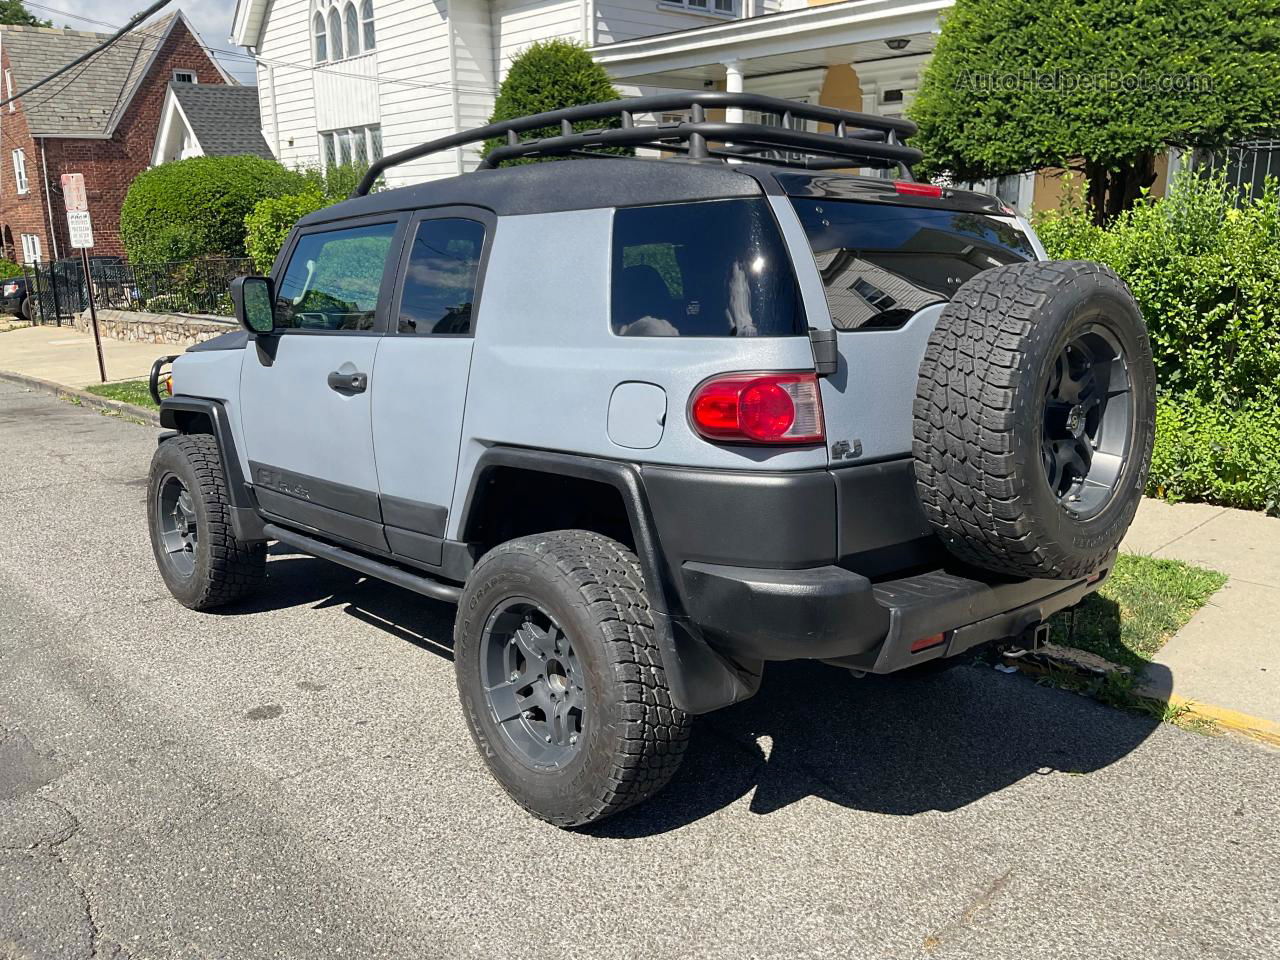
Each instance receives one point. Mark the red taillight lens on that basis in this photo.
(928, 643)
(909, 189)
(759, 408)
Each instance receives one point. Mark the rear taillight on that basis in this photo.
(910, 189)
(10, 289)
(759, 408)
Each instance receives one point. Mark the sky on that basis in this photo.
(212, 19)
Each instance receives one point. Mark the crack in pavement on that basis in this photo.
(967, 916)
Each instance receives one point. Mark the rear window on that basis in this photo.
(880, 262)
(710, 269)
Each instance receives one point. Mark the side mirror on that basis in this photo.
(254, 299)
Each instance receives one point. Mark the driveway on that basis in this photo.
(294, 780)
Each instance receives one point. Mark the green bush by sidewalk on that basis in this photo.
(196, 207)
(1204, 265)
(267, 226)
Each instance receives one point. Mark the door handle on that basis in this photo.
(348, 383)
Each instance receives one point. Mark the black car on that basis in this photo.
(14, 300)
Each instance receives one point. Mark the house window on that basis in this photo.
(31, 252)
(723, 8)
(335, 34)
(8, 90)
(20, 171)
(342, 28)
(322, 44)
(359, 146)
(184, 76)
(366, 19)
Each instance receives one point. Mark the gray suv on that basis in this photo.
(652, 423)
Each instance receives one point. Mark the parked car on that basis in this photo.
(13, 298)
(653, 423)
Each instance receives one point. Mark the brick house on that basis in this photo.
(100, 120)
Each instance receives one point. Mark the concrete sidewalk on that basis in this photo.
(1228, 655)
(64, 355)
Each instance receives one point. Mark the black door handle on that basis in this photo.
(348, 383)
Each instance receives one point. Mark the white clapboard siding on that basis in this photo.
(474, 70)
(520, 23)
(288, 118)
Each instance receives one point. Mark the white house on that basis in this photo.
(352, 79)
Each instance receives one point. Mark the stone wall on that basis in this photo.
(156, 327)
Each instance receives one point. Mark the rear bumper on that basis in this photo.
(830, 613)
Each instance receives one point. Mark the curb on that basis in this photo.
(1255, 728)
(150, 417)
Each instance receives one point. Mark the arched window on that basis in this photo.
(353, 29)
(366, 15)
(335, 34)
(322, 45)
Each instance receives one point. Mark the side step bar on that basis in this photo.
(416, 582)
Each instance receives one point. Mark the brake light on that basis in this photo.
(928, 643)
(909, 189)
(759, 408)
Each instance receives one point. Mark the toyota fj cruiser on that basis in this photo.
(651, 423)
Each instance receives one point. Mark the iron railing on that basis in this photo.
(187, 286)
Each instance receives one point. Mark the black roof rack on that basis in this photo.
(867, 140)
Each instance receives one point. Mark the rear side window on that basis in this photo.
(881, 262)
(440, 280)
(333, 279)
(710, 269)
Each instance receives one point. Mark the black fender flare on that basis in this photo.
(701, 679)
(180, 413)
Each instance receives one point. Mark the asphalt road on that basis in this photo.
(294, 780)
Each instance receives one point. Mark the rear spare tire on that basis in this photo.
(1034, 419)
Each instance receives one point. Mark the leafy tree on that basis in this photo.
(13, 12)
(1103, 85)
(197, 207)
(550, 75)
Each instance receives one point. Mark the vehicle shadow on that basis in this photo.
(899, 744)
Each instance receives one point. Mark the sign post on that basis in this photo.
(80, 226)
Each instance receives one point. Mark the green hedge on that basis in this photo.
(1204, 265)
(9, 269)
(197, 207)
(267, 226)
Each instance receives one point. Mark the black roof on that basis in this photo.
(552, 186)
(560, 185)
(224, 118)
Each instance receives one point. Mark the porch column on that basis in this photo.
(733, 84)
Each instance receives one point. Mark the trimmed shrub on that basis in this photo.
(550, 75)
(9, 269)
(197, 207)
(267, 226)
(1204, 265)
(1207, 451)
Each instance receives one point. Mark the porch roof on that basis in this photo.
(854, 32)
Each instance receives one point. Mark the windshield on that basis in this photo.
(882, 262)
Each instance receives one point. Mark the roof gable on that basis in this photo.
(224, 120)
(90, 100)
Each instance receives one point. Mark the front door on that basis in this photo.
(305, 391)
(420, 378)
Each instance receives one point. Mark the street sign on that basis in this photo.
(81, 228)
(73, 193)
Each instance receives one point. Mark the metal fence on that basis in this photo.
(190, 286)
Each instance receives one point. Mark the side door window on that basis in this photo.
(334, 278)
(440, 277)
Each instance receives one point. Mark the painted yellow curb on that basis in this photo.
(1253, 727)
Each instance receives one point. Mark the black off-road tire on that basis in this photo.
(979, 418)
(225, 570)
(632, 739)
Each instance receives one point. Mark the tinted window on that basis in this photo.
(333, 279)
(712, 269)
(880, 262)
(440, 280)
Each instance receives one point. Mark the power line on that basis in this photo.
(254, 58)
